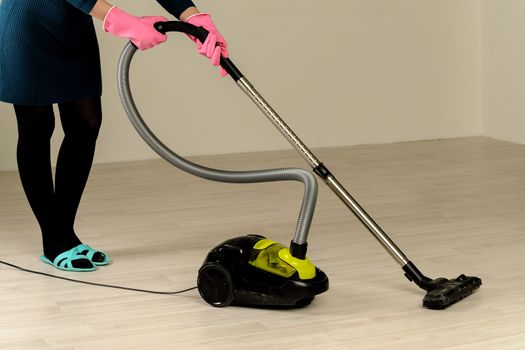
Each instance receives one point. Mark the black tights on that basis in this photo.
(55, 207)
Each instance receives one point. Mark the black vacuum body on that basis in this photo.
(248, 271)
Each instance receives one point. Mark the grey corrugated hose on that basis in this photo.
(287, 174)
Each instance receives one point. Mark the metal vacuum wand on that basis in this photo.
(323, 172)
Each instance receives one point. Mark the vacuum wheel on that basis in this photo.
(215, 285)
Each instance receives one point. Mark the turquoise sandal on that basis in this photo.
(89, 252)
(64, 261)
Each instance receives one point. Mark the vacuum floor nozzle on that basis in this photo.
(443, 292)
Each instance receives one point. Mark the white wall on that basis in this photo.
(504, 69)
(339, 72)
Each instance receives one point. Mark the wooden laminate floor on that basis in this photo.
(453, 206)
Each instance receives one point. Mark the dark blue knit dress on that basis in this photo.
(49, 51)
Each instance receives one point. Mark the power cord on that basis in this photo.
(97, 284)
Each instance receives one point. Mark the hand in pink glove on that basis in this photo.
(139, 30)
(214, 46)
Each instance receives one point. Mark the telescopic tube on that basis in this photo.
(330, 180)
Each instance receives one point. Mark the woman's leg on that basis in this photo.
(81, 122)
(35, 128)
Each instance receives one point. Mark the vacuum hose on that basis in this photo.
(299, 242)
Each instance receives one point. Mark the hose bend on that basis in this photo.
(286, 174)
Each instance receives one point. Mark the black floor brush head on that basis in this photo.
(444, 292)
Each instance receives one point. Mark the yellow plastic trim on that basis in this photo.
(268, 259)
(263, 244)
(305, 268)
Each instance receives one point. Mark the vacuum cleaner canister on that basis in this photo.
(254, 271)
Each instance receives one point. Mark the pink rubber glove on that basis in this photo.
(214, 46)
(139, 30)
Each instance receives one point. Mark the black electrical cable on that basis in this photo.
(97, 284)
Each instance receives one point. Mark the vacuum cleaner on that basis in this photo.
(253, 270)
